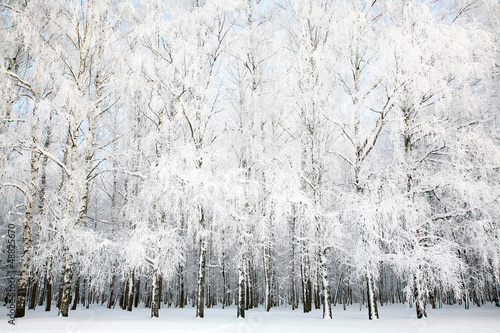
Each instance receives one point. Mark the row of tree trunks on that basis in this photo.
(81, 292)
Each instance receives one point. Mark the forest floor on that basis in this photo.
(393, 318)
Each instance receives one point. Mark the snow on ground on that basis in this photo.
(393, 318)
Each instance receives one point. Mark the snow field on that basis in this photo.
(393, 318)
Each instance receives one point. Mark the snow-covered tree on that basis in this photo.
(249, 152)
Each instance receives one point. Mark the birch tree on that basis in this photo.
(314, 80)
(29, 94)
(250, 53)
(369, 97)
(429, 85)
(203, 152)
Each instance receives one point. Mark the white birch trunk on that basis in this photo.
(327, 305)
(31, 196)
(419, 295)
(156, 294)
(67, 279)
(371, 299)
(200, 310)
(241, 288)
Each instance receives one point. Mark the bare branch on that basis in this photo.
(21, 82)
(13, 185)
(55, 159)
(343, 157)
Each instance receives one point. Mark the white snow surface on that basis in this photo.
(393, 318)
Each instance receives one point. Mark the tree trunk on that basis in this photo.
(156, 291)
(66, 284)
(111, 291)
(24, 275)
(131, 291)
(419, 296)
(41, 294)
(224, 285)
(200, 310)
(268, 276)
(294, 296)
(137, 292)
(76, 299)
(241, 289)
(371, 298)
(30, 208)
(180, 286)
(121, 298)
(48, 289)
(34, 292)
(381, 285)
(317, 297)
(249, 285)
(124, 296)
(41, 205)
(255, 292)
(327, 304)
(306, 281)
(208, 283)
(495, 293)
(432, 298)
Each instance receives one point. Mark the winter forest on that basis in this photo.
(249, 153)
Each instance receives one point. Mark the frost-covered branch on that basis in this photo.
(54, 159)
(15, 186)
